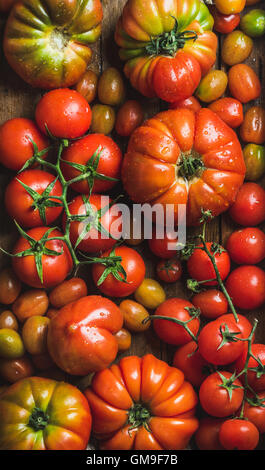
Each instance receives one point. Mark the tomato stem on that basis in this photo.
(175, 320)
(38, 419)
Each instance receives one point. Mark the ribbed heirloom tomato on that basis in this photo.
(182, 157)
(142, 404)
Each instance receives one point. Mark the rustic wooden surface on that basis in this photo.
(17, 99)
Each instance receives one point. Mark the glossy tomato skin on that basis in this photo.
(207, 436)
(212, 86)
(254, 156)
(246, 286)
(249, 206)
(150, 293)
(10, 286)
(111, 88)
(164, 247)
(253, 127)
(80, 336)
(20, 205)
(243, 83)
(30, 303)
(55, 268)
(35, 397)
(200, 266)
(253, 23)
(169, 270)
(212, 303)
(13, 370)
(229, 110)
(189, 103)
(227, 7)
(239, 434)
(15, 142)
(236, 48)
(255, 380)
(188, 359)
(224, 23)
(134, 315)
(256, 413)
(87, 85)
(246, 246)
(103, 119)
(67, 292)
(169, 331)
(149, 383)
(129, 117)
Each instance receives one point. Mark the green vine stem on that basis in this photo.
(194, 314)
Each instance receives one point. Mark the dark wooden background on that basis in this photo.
(17, 99)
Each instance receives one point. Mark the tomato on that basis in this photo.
(236, 48)
(152, 408)
(150, 293)
(213, 158)
(188, 359)
(169, 270)
(243, 324)
(155, 42)
(224, 23)
(246, 246)
(229, 110)
(11, 345)
(129, 117)
(230, 6)
(135, 316)
(238, 434)
(73, 114)
(252, 2)
(255, 372)
(132, 238)
(111, 89)
(216, 399)
(253, 23)
(67, 292)
(124, 339)
(200, 266)
(170, 332)
(16, 136)
(212, 86)
(6, 5)
(207, 436)
(13, 370)
(99, 157)
(189, 103)
(254, 156)
(249, 206)
(54, 51)
(8, 320)
(243, 82)
(80, 337)
(98, 223)
(29, 303)
(87, 86)
(254, 411)
(212, 303)
(52, 269)
(51, 312)
(31, 205)
(34, 334)
(253, 127)
(164, 247)
(130, 269)
(246, 286)
(103, 119)
(10, 286)
(44, 408)
(42, 361)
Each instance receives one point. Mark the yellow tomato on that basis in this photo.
(134, 314)
(150, 294)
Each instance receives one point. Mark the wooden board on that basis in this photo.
(17, 99)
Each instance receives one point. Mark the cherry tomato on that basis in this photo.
(254, 156)
(34, 334)
(200, 266)
(243, 83)
(72, 118)
(173, 333)
(189, 103)
(29, 303)
(103, 119)
(227, 7)
(10, 286)
(207, 436)
(216, 399)
(165, 247)
(246, 287)
(253, 23)
(150, 293)
(254, 411)
(8, 320)
(224, 23)
(129, 116)
(124, 339)
(212, 303)
(67, 292)
(212, 86)
(243, 324)
(188, 359)
(255, 372)
(249, 206)
(13, 370)
(87, 86)
(169, 270)
(16, 136)
(236, 48)
(229, 110)
(11, 344)
(111, 89)
(246, 246)
(238, 434)
(135, 316)
(253, 127)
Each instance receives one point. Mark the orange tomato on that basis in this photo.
(229, 110)
(243, 82)
(124, 339)
(253, 127)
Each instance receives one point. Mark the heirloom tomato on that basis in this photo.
(253, 127)
(224, 24)
(8, 320)
(167, 46)
(6, 5)
(47, 42)
(238, 434)
(246, 287)
(30, 303)
(212, 86)
(111, 88)
(188, 359)
(229, 110)
(11, 344)
(87, 86)
(53, 416)
(254, 156)
(246, 246)
(103, 119)
(34, 335)
(135, 316)
(201, 268)
(227, 7)
(243, 82)
(13, 370)
(129, 116)
(236, 48)
(253, 23)
(249, 206)
(150, 293)
(10, 286)
(142, 404)
(81, 336)
(182, 157)
(124, 339)
(189, 103)
(67, 292)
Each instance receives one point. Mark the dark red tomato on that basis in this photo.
(238, 434)
(94, 232)
(224, 23)
(130, 263)
(15, 142)
(170, 332)
(189, 103)
(200, 266)
(246, 287)
(32, 206)
(165, 247)
(54, 268)
(65, 113)
(249, 206)
(188, 359)
(246, 246)
(129, 116)
(99, 157)
(256, 377)
(169, 270)
(254, 411)
(207, 436)
(212, 303)
(218, 341)
(229, 110)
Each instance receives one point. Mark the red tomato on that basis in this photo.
(171, 332)
(256, 377)
(165, 247)
(189, 103)
(54, 268)
(238, 434)
(188, 359)
(212, 303)
(200, 266)
(216, 399)
(246, 246)
(65, 113)
(224, 23)
(229, 110)
(249, 206)
(131, 264)
(243, 324)
(169, 270)
(255, 412)
(32, 206)
(15, 142)
(244, 83)
(102, 175)
(246, 287)
(207, 436)
(129, 116)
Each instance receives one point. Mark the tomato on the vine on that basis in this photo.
(246, 246)
(238, 434)
(169, 270)
(256, 367)
(254, 410)
(200, 266)
(188, 359)
(246, 287)
(212, 303)
(249, 206)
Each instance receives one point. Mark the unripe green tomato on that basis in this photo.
(11, 344)
(212, 86)
(254, 156)
(103, 119)
(253, 23)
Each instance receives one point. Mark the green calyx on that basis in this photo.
(138, 416)
(190, 165)
(38, 419)
(112, 264)
(227, 336)
(228, 384)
